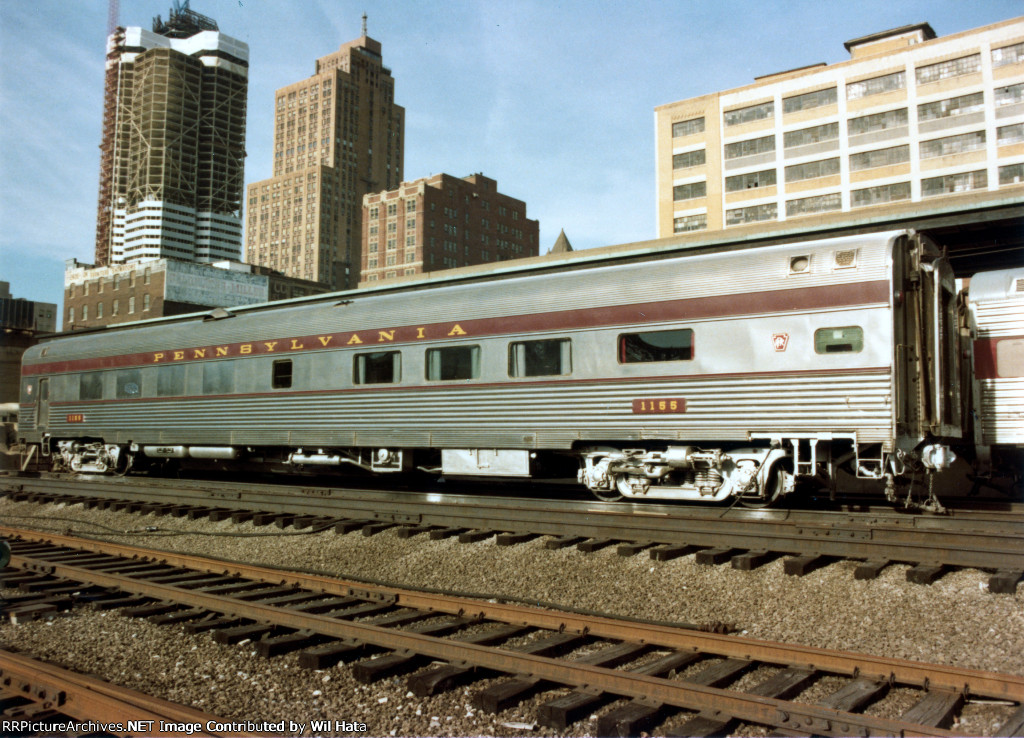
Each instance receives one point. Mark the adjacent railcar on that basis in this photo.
(996, 301)
(699, 377)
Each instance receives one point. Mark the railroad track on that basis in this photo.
(703, 682)
(38, 698)
(988, 538)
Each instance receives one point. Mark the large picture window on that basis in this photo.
(453, 362)
(540, 358)
(671, 345)
(377, 367)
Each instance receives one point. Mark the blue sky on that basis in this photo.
(552, 98)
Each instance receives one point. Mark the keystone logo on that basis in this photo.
(780, 341)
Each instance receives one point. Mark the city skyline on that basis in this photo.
(556, 103)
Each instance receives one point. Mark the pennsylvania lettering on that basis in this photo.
(375, 337)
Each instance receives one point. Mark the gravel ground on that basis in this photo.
(956, 621)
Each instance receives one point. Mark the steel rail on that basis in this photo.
(86, 698)
(956, 540)
(779, 713)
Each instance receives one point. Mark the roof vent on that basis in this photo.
(218, 314)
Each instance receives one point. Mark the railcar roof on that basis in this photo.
(546, 264)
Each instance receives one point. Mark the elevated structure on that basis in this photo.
(441, 222)
(173, 148)
(910, 121)
(337, 136)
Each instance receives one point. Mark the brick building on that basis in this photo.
(442, 222)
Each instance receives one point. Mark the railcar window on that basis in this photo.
(673, 345)
(377, 367)
(282, 374)
(90, 386)
(845, 340)
(218, 377)
(129, 384)
(170, 381)
(453, 362)
(540, 358)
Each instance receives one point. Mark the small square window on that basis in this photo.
(282, 374)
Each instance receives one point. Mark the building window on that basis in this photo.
(809, 100)
(817, 204)
(752, 214)
(145, 302)
(71, 315)
(688, 127)
(145, 276)
(950, 183)
(690, 191)
(749, 181)
(453, 362)
(1011, 174)
(812, 170)
(877, 122)
(689, 159)
(949, 68)
(1008, 55)
(392, 208)
(1010, 134)
(750, 147)
(410, 206)
(131, 305)
(99, 310)
(1009, 95)
(954, 106)
(812, 135)
(876, 85)
(749, 114)
(671, 345)
(115, 307)
(879, 158)
(547, 358)
(85, 312)
(883, 193)
(953, 144)
(687, 223)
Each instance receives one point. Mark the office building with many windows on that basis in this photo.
(337, 136)
(173, 145)
(909, 118)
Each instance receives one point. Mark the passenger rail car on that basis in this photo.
(996, 304)
(698, 377)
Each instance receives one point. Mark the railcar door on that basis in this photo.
(43, 405)
(926, 333)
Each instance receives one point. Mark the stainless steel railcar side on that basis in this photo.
(996, 304)
(686, 377)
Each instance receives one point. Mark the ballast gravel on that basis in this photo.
(955, 621)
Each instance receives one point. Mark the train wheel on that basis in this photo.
(772, 492)
(607, 495)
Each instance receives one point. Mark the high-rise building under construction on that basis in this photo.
(173, 147)
(337, 136)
